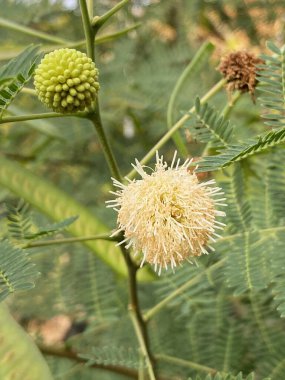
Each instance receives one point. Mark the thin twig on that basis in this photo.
(32, 32)
(29, 91)
(207, 46)
(69, 241)
(95, 117)
(136, 316)
(216, 88)
(90, 7)
(67, 354)
(98, 22)
(186, 363)
(46, 115)
(76, 44)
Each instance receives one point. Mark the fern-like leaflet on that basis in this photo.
(110, 355)
(16, 74)
(271, 78)
(211, 126)
(18, 220)
(238, 152)
(21, 227)
(16, 270)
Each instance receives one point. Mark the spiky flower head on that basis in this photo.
(168, 215)
(66, 80)
(240, 70)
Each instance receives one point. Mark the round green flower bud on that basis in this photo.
(66, 80)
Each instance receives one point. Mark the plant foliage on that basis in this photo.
(114, 356)
(271, 84)
(16, 74)
(211, 127)
(21, 227)
(17, 347)
(237, 152)
(17, 272)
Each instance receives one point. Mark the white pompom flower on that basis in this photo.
(167, 215)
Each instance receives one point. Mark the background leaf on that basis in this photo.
(20, 359)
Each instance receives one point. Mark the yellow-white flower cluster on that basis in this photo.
(167, 215)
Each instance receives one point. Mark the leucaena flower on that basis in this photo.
(66, 80)
(167, 216)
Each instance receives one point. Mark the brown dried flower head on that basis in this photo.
(168, 216)
(240, 71)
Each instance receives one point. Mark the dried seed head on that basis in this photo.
(240, 71)
(168, 215)
(66, 80)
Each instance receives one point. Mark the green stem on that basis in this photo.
(90, 8)
(229, 106)
(95, 117)
(35, 33)
(216, 88)
(142, 345)
(186, 363)
(77, 44)
(98, 22)
(89, 34)
(150, 313)
(110, 37)
(68, 241)
(141, 370)
(203, 52)
(47, 115)
(29, 91)
(136, 316)
(98, 40)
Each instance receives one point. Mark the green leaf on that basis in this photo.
(247, 263)
(21, 228)
(56, 204)
(238, 212)
(111, 355)
(252, 242)
(273, 47)
(210, 126)
(20, 359)
(20, 64)
(271, 77)
(18, 220)
(52, 229)
(237, 152)
(16, 74)
(16, 270)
